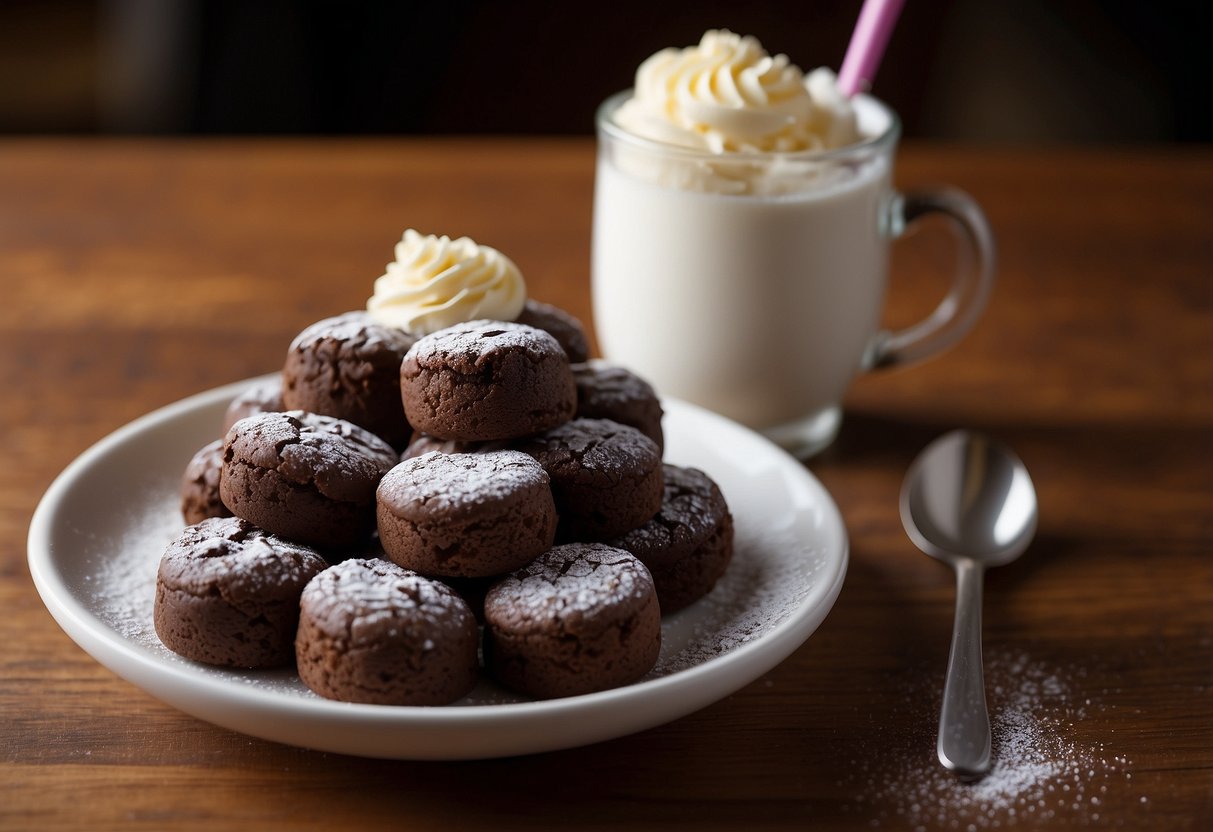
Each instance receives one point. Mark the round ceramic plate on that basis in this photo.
(97, 536)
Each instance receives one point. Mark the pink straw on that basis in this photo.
(876, 21)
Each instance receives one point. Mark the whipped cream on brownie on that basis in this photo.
(436, 282)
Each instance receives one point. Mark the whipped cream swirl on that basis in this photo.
(436, 282)
(728, 95)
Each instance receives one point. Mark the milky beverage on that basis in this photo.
(740, 247)
(761, 307)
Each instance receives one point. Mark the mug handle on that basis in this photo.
(959, 310)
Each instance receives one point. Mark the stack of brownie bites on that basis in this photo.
(394, 508)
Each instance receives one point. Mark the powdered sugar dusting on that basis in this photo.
(1040, 771)
(357, 331)
(471, 341)
(606, 387)
(122, 585)
(754, 597)
(365, 599)
(600, 450)
(437, 482)
(236, 558)
(584, 580)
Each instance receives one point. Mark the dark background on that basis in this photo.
(977, 70)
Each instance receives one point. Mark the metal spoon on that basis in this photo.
(969, 502)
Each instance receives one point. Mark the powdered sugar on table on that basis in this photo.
(1040, 771)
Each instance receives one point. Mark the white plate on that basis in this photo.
(97, 536)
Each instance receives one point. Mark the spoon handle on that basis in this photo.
(964, 723)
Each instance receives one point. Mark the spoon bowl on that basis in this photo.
(967, 496)
(968, 501)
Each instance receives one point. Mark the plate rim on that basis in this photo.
(93, 634)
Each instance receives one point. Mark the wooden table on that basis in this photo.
(134, 273)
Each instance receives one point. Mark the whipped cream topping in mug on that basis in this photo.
(727, 94)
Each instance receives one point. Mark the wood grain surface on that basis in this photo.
(134, 273)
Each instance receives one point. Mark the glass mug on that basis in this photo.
(753, 283)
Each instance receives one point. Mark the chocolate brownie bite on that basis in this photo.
(372, 632)
(348, 367)
(305, 477)
(200, 485)
(466, 515)
(262, 397)
(606, 392)
(423, 443)
(227, 593)
(606, 477)
(562, 326)
(689, 544)
(582, 617)
(487, 380)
